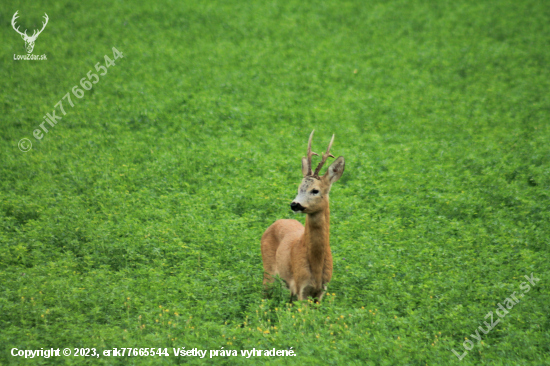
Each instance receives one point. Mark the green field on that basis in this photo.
(136, 220)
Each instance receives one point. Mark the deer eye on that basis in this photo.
(314, 191)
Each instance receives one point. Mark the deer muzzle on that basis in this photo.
(295, 206)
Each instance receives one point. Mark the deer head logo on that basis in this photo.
(29, 41)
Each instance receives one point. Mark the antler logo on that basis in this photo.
(29, 41)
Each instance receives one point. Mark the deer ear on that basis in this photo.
(335, 170)
(304, 166)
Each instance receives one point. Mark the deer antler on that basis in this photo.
(34, 36)
(13, 24)
(325, 157)
(310, 153)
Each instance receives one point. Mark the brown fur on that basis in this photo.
(301, 255)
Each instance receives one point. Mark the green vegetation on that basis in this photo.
(136, 220)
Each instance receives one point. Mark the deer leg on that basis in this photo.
(305, 292)
(321, 294)
(268, 280)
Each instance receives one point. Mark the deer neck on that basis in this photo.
(316, 239)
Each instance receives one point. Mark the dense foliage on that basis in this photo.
(136, 220)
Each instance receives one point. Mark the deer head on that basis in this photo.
(29, 40)
(313, 191)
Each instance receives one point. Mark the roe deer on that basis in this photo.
(301, 255)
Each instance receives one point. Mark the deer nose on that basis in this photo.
(295, 206)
